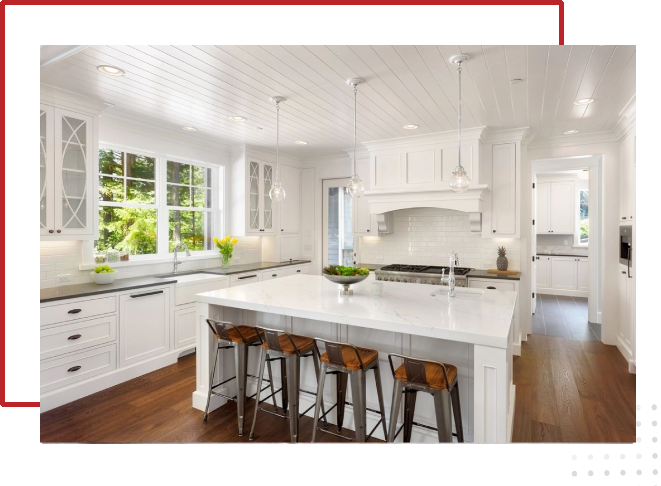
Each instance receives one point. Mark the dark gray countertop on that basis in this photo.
(578, 255)
(483, 274)
(87, 289)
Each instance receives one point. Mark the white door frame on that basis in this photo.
(325, 185)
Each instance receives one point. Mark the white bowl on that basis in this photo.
(104, 278)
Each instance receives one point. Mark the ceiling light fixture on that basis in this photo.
(190, 129)
(516, 81)
(584, 101)
(355, 185)
(570, 132)
(277, 192)
(110, 70)
(410, 127)
(460, 182)
(300, 142)
(238, 118)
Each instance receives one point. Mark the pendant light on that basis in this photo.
(277, 192)
(355, 185)
(460, 182)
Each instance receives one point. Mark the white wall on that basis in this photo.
(428, 236)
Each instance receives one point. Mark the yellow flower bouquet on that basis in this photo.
(226, 247)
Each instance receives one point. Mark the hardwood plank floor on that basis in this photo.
(566, 391)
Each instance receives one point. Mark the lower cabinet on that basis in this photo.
(144, 325)
(72, 368)
(562, 275)
(184, 327)
(543, 271)
(625, 331)
(583, 277)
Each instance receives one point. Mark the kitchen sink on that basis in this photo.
(191, 283)
(189, 276)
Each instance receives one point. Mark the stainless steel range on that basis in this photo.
(421, 274)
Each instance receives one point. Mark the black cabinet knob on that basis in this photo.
(493, 231)
(59, 231)
(51, 231)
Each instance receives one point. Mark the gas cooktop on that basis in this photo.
(425, 274)
(423, 269)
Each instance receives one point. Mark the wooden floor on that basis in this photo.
(566, 391)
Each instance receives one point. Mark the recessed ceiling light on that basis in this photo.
(238, 118)
(584, 101)
(570, 132)
(110, 70)
(300, 142)
(516, 81)
(190, 129)
(411, 127)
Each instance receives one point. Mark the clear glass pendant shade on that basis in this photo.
(277, 192)
(460, 182)
(355, 186)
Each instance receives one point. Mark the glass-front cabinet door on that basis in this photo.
(254, 176)
(46, 169)
(74, 167)
(267, 206)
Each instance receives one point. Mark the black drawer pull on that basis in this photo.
(298, 271)
(274, 275)
(491, 288)
(247, 276)
(74, 311)
(74, 337)
(136, 296)
(73, 368)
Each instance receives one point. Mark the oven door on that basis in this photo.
(625, 245)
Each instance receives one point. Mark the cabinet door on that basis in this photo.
(583, 274)
(631, 178)
(503, 190)
(266, 218)
(624, 328)
(290, 207)
(46, 170)
(542, 221)
(624, 186)
(543, 272)
(253, 203)
(364, 223)
(74, 167)
(563, 273)
(184, 327)
(562, 208)
(144, 325)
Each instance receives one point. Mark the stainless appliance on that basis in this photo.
(421, 274)
(626, 245)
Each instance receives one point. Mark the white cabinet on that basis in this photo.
(583, 271)
(245, 278)
(543, 271)
(626, 332)
(628, 178)
(289, 209)
(364, 223)
(67, 164)
(555, 208)
(504, 190)
(184, 327)
(251, 208)
(564, 273)
(144, 325)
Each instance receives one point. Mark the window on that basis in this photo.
(127, 202)
(583, 217)
(147, 204)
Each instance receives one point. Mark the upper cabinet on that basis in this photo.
(628, 177)
(364, 223)
(290, 208)
(504, 190)
(67, 162)
(555, 208)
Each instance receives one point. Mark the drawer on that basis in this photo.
(59, 372)
(71, 310)
(185, 294)
(275, 273)
(77, 335)
(299, 269)
(486, 283)
(245, 278)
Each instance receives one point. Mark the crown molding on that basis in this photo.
(571, 140)
(51, 95)
(268, 155)
(630, 108)
(509, 135)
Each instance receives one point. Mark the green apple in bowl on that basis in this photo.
(103, 274)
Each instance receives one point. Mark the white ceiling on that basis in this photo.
(201, 86)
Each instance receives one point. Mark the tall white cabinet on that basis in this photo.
(504, 190)
(67, 162)
(555, 208)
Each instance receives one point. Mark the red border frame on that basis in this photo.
(559, 3)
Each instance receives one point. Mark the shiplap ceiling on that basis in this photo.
(202, 86)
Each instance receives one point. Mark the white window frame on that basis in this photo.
(577, 232)
(163, 210)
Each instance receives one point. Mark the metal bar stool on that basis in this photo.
(240, 338)
(438, 379)
(291, 348)
(346, 360)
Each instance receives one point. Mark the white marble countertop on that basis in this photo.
(474, 316)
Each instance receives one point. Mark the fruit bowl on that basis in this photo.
(346, 282)
(104, 278)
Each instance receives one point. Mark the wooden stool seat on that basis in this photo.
(434, 375)
(303, 343)
(351, 360)
(249, 334)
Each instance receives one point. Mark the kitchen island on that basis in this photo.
(472, 331)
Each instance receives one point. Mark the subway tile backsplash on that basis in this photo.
(64, 257)
(428, 236)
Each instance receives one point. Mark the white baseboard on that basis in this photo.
(567, 293)
(67, 394)
(624, 349)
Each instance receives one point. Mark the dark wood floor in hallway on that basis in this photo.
(566, 391)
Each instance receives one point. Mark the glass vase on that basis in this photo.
(225, 260)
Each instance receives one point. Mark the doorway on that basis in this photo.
(337, 223)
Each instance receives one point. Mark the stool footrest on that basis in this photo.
(416, 424)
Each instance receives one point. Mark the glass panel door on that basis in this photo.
(46, 170)
(337, 224)
(254, 196)
(268, 203)
(74, 167)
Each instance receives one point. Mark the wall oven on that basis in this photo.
(626, 241)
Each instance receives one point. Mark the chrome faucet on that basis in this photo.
(179, 245)
(449, 280)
